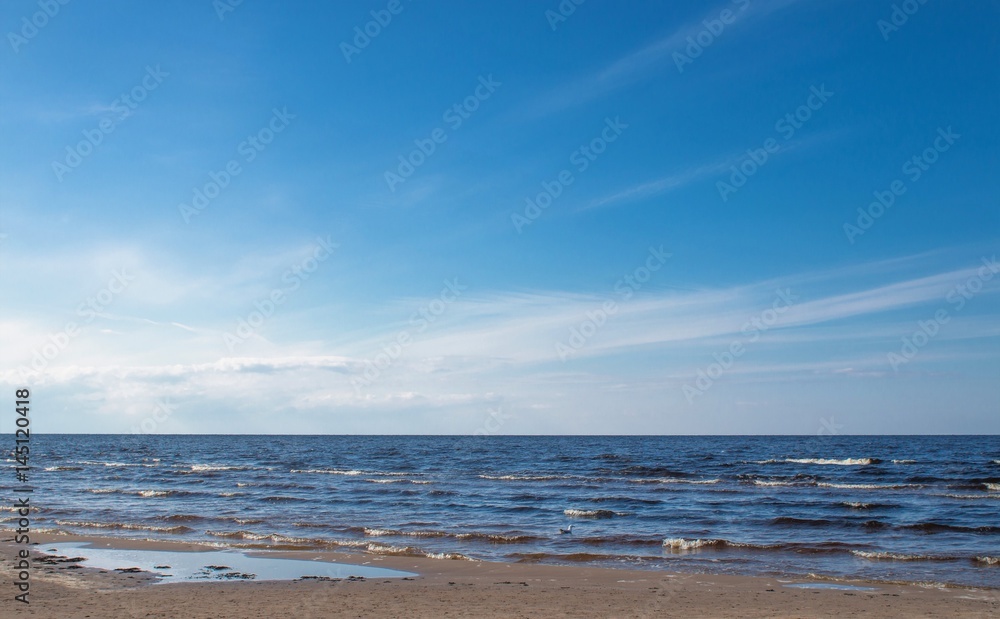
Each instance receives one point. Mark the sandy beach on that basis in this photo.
(456, 588)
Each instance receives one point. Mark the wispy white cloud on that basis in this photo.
(641, 62)
(662, 185)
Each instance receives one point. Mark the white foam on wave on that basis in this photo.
(590, 513)
(524, 477)
(328, 472)
(256, 537)
(866, 486)
(123, 526)
(989, 560)
(218, 467)
(454, 556)
(888, 556)
(904, 461)
(410, 551)
(761, 482)
(375, 532)
(350, 472)
(993, 487)
(155, 493)
(830, 461)
(115, 464)
(969, 497)
(857, 505)
(675, 480)
(679, 543)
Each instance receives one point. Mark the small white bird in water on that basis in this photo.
(565, 531)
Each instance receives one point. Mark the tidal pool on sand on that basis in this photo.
(177, 566)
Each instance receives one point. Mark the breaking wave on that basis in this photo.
(830, 461)
(347, 472)
(124, 526)
(867, 486)
(675, 480)
(591, 513)
(897, 556)
(525, 477)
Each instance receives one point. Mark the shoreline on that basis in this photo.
(464, 588)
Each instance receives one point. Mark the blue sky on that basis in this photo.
(500, 218)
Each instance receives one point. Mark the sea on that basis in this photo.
(890, 508)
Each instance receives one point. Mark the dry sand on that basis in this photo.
(449, 588)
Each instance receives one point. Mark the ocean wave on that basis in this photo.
(591, 513)
(273, 540)
(779, 484)
(863, 505)
(867, 486)
(410, 551)
(181, 518)
(830, 461)
(256, 537)
(198, 468)
(401, 480)
(884, 555)
(675, 480)
(685, 544)
(989, 560)
(937, 527)
(525, 477)
(146, 494)
(496, 538)
(969, 497)
(350, 472)
(904, 461)
(611, 456)
(393, 532)
(124, 526)
(63, 468)
(453, 556)
(679, 543)
(992, 487)
(648, 471)
(115, 464)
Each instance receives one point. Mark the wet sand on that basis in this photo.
(455, 588)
